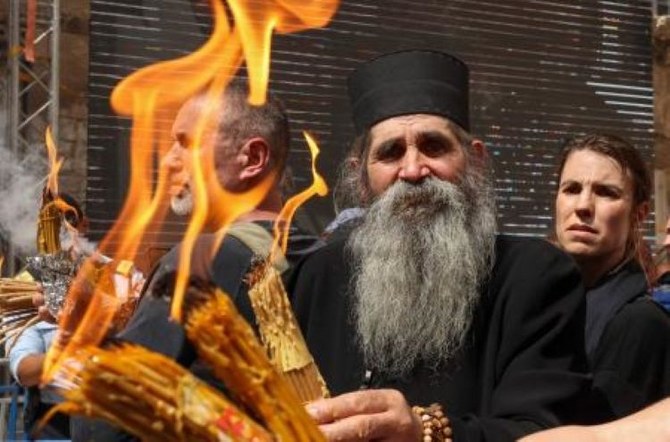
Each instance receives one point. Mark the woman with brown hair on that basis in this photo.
(602, 200)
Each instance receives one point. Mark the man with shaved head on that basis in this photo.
(247, 144)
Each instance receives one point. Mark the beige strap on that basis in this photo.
(259, 240)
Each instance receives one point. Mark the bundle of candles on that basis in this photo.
(56, 268)
(153, 398)
(17, 311)
(48, 225)
(228, 344)
(280, 333)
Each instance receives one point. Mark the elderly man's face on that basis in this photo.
(411, 148)
(431, 202)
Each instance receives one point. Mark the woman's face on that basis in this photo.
(593, 207)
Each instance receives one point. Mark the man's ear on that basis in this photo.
(352, 163)
(479, 149)
(254, 158)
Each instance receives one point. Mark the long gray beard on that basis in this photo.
(422, 255)
(182, 204)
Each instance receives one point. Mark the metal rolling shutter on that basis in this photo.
(541, 71)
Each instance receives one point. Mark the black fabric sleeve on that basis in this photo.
(632, 362)
(535, 344)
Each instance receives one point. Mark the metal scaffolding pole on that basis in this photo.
(32, 87)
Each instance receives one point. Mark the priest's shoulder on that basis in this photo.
(532, 274)
(531, 254)
(334, 248)
(328, 259)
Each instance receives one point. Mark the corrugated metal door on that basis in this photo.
(541, 71)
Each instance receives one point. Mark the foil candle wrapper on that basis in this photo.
(55, 273)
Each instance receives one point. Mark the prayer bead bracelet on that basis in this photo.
(435, 423)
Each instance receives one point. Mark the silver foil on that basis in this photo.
(55, 273)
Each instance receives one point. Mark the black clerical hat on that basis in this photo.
(409, 82)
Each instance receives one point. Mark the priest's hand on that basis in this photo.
(380, 415)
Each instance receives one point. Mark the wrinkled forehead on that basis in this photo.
(191, 113)
(408, 128)
(414, 122)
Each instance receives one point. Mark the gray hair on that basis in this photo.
(240, 121)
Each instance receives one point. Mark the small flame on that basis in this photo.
(318, 187)
(55, 163)
(71, 229)
(2, 263)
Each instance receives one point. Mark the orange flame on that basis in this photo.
(64, 207)
(151, 96)
(55, 163)
(256, 19)
(318, 187)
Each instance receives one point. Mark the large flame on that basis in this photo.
(152, 96)
(255, 21)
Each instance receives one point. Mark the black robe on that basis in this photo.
(628, 342)
(523, 369)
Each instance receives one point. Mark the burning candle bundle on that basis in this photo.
(16, 306)
(228, 344)
(281, 334)
(222, 338)
(154, 398)
(114, 285)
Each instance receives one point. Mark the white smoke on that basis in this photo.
(22, 177)
(77, 244)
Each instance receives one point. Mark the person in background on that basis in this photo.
(603, 197)
(27, 352)
(421, 302)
